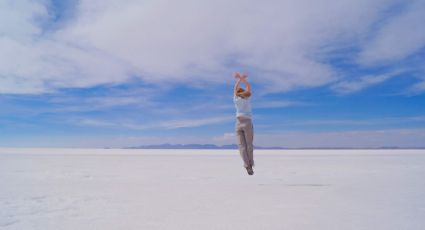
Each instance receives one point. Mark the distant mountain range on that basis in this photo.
(234, 146)
(195, 146)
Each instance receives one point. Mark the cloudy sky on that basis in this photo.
(103, 73)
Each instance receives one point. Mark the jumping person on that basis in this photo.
(244, 127)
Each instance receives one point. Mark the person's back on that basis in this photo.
(243, 106)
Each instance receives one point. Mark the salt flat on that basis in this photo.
(75, 189)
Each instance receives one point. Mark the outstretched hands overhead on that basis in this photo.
(240, 77)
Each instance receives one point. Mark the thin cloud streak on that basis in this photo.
(349, 122)
(188, 123)
(278, 104)
(347, 87)
(169, 124)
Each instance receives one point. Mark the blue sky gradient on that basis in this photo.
(83, 74)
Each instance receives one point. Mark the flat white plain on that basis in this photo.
(50, 189)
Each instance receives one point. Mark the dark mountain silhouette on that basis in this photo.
(234, 146)
(195, 146)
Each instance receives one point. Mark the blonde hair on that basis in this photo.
(242, 93)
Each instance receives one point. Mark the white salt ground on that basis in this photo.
(78, 189)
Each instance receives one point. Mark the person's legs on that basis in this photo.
(249, 139)
(240, 133)
(247, 128)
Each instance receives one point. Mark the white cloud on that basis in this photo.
(81, 104)
(280, 42)
(371, 122)
(277, 104)
(351, 86)
(167, 124)
(21, 19)
(400, 37)
(418, 87)
(175, 124)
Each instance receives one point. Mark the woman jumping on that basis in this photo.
(244, 127)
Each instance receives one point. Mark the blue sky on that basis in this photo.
(108, 74)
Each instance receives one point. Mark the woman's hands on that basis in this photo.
(243, 78)
(240, 76)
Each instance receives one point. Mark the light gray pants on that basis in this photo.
(245, 135)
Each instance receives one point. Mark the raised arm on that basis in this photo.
(248, 86)
(235, 90)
